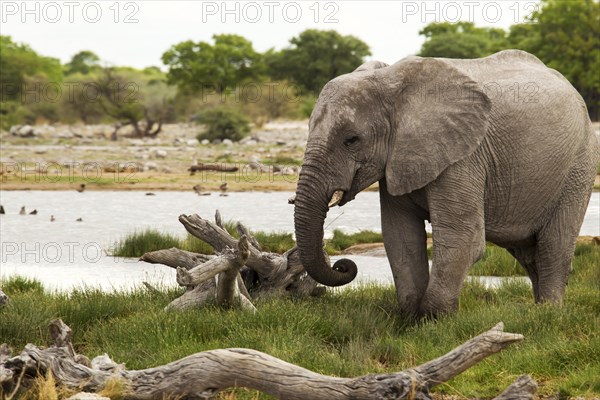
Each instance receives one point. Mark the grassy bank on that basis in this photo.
(346, 333)
(138, 243)
(495, 262)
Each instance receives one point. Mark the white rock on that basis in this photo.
(87, 396)
(227, 142)
(204, 142)
(150, 166)
(160, 153)
(23, 131)
(192, 142)
(65, 135)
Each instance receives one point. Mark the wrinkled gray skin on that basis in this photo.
(498, 149)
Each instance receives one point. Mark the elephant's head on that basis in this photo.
(404, 123)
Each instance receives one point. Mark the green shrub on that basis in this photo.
(223, 123)
(14, 113)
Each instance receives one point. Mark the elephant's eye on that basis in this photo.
(351, 141)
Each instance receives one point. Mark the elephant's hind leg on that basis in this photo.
(556, 242)
(526, 257)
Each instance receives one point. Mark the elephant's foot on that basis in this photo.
(409, 305)
(435, 305)
(551, 294)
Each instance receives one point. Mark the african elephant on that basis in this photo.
(499, 149)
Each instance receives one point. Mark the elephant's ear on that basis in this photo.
(371, 65)
(440, 117)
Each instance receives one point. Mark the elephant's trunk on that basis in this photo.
(311, 205)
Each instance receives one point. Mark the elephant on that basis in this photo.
(497, 149)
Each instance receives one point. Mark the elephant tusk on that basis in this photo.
(336, 198)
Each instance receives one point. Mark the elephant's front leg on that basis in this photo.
(405, 240)
(457, 220)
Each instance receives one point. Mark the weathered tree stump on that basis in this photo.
(203, 375)
(239, 272)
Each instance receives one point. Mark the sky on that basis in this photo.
(137, 33)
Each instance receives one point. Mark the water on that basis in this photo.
(65, 253)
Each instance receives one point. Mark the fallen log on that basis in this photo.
(203, 375)
(212, 167)
(238, 273)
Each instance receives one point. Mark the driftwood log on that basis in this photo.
(212, 167)
(203, 375)
(238, 273)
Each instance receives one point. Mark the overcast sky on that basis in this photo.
(136, 33)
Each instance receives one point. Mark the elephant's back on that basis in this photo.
(511, 78)
(539, 131)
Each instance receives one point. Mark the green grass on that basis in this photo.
(275, 242)
(341, 241)
(497, 261)
(344, 333)
(138, 243)
(282, 160)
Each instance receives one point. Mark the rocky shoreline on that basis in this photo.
(62, 157)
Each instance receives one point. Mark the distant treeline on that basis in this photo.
(277, 83)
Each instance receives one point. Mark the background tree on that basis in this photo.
(141, 99)
(565, 35)
(567, 38)
(229, 62)
(315, 57)
(80, 101)
(22, 68)
(461, 40)
(83, 62)
(18, 62)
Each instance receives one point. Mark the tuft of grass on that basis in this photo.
(138, 243)
(275, 242)
(45, 388)
(497, 261)
(341, 241)
(114, 389)
(284, 160)
(20, 284)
